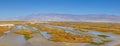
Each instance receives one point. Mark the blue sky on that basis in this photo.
(15, 8)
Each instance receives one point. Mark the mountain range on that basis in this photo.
(71, 17)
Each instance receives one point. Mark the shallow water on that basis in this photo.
(12, 40)
(40, 39)
(115, 38)
(46, 35)
(111, 35)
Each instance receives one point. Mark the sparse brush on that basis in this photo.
(104, 36)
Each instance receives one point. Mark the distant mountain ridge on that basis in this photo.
(71, 17)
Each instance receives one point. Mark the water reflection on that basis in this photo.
(46, 35)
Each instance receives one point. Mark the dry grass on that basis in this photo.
(23, 32)
(103, 27)
(59, 35)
